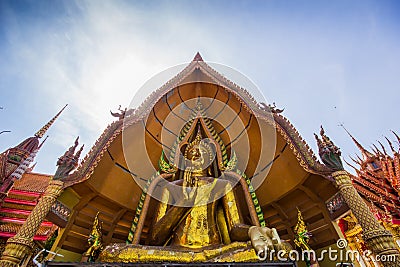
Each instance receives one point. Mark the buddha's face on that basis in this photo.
(196, 155)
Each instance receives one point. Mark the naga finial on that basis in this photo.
(68, 162)
(328, 152)
(95, 240)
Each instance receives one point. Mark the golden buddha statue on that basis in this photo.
(95, 241)
(198, 219)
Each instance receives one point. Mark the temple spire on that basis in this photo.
(198, 57)
(44, 129)
(366, 154)
(41, 144)
(390, 144)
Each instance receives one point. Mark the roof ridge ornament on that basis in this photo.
(68, 162)
(198, 57)
(17, 174)
(390, 144)
(398, 137)
(120, 114)
(383, 148)
(270, 108)
(329, 152)
(377, 152)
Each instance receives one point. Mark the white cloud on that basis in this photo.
(96, 56)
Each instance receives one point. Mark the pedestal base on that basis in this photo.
(171, 264)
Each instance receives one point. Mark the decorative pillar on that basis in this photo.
(377, 238)
(19, 248)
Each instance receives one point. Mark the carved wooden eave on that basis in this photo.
(297, 144)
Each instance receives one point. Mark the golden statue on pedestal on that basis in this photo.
(95, 241)
(198, 218)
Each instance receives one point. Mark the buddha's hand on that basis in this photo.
(265, 240)
(189, 186)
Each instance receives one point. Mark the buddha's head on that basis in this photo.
(198, 153)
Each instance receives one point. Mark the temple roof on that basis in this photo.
(32, 182)
(378, 178)
(300, 148)
(29, 145)
(19, 203)
(292, 173)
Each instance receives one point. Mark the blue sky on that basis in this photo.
(325, 62)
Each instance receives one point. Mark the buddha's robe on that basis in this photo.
(214, 218)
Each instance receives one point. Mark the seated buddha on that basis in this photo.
(198, 219)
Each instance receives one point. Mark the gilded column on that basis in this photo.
(377, 238)
(19, 248)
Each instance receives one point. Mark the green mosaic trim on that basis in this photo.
(253, 195)
(139, 209)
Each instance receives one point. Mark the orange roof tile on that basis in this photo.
(32, 182)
